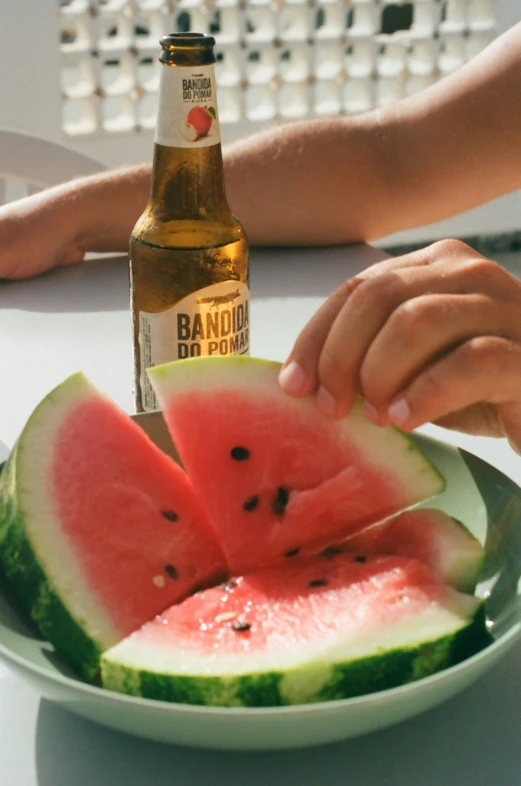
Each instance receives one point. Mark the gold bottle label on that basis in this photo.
(188, 107)
(211, 321)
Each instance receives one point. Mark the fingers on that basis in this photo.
(417, 332)
(441, 249)
(485, 369)
(328, 352)
(299, 375)
(389, 328)
(383, 328)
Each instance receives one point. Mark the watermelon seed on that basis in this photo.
(251, 503)
(317, 583)
(280, 501)
(330, 552)
(170, 515)
(292, 553)
(229, 585)
(239, 454)
(226, 616)
(171, 571)
(241, 626)
(159, 581)
(360, 558)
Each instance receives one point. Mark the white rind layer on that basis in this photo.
(388, 449)
(51, 547)
(436, 621)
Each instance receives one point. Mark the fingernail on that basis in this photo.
(292, 378)
(399, 412)
(371, 413)
(325, 402)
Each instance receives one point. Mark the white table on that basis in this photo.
(78, 318)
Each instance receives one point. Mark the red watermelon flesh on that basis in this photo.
(310, 630)
(275, 476)
(101, 530)
(305, 602)
(429, 535)
(130, 514)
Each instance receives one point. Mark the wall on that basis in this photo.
(30, 101)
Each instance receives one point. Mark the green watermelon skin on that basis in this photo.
(88, 585)
(31, 588)
(175, 659)
(339, 681)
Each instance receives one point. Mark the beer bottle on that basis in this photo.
(189, 282)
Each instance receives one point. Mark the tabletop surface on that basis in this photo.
(77, 318)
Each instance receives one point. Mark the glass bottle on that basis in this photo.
(189, 275)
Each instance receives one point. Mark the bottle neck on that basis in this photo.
(188, 184)
(187, 173)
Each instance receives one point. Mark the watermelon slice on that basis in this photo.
(312, 630)
(431, 536)
(275, 476)
(99, 530)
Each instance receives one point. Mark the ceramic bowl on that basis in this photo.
(486, 500)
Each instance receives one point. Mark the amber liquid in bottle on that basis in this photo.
(189, 282)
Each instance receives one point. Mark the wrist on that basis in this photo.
(79, 213)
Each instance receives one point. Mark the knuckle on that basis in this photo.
(452, 247)
(486, 352)
(480, 269)
(346, 287)
(418, 314)
(378, 291)
(468, 263)
(344, 291)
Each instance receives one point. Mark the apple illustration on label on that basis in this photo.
(198, 123)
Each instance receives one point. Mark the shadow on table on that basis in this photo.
(101, 284)
(298, 272)
(472, 740)
(95, 285)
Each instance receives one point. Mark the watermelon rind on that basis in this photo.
(29, 536)
(388, 454)
(386, 446)
(409, 655)
(464, 566)
(438, 539)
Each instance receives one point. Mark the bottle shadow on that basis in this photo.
(101, 284)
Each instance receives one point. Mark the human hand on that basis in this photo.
(38, 233)
(434, 335)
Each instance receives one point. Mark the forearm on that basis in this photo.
(440, 152)
(104, 208)
(339, 180)
(315, 182)
(456, 144)
(283, 184)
